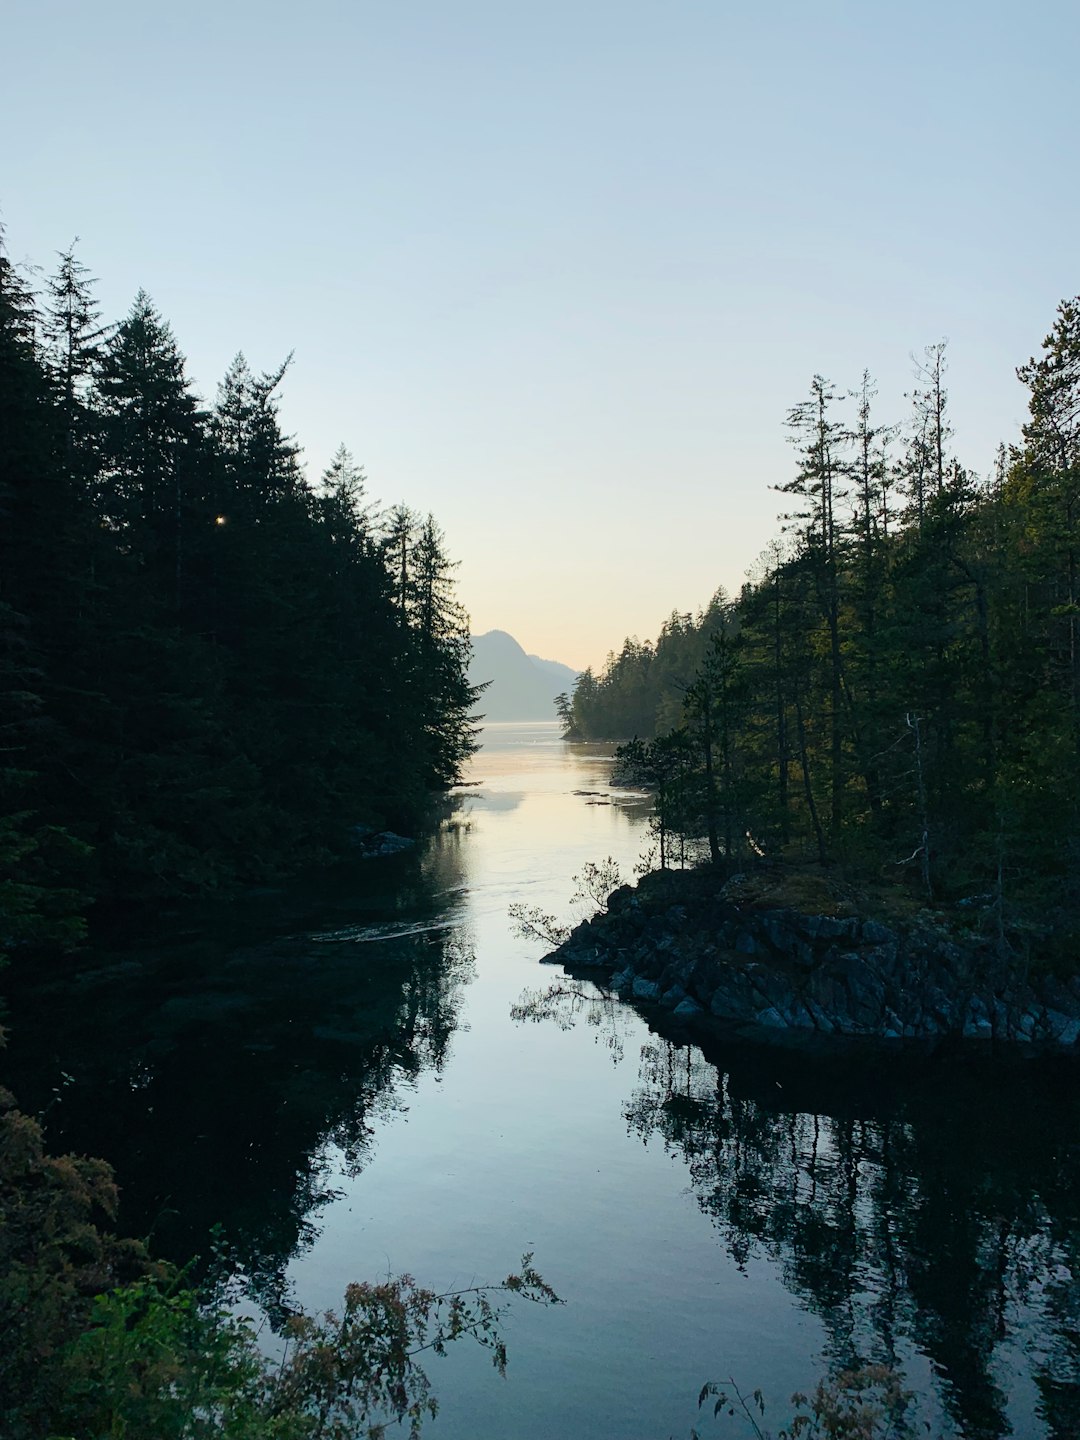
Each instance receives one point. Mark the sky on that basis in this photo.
(557, 272)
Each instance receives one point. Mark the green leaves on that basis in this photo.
(100, 1343)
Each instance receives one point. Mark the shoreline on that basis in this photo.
(704, 946)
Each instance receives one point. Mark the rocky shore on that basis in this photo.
(702, 946)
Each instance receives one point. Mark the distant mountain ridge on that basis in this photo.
(523, 687)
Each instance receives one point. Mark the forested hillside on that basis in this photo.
(899, 685)
(210, 667)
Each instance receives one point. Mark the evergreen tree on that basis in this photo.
(819, 485)
(149, 434)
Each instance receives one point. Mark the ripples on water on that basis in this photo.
(335, 1078)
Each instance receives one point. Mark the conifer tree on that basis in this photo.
(149, 432)
(819, 485)
(1051, 461)
(75, 335)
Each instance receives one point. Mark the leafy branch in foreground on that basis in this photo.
(345, 1369)
(591, 889)
(532, 923)
(155, 1364)
(101, 1341)
(866, 1403)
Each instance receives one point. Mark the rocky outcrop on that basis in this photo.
(687, 943)
(384, 842)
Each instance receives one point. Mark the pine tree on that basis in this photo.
(819, 484)
(1052, 461)
(149, 431)
(75, 335)
(441, 629)
(39, 860)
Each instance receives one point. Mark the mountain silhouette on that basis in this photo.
(523, 687)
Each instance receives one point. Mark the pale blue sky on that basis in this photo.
(557, 271)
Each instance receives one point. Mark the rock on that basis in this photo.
(384, 843)
(591, 957)
(977, 1024)
(776, 925)
(1025, 1026)
(620, 899)
(731, 1002)
(874, 933)
(773, 987)
(797, 1013)
(674, 940)
(829, 927)
(643, 989)
(882, 959)
(977, 1028)
(802, 955)
(772, 1018)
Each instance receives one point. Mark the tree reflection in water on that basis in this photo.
(236, 1097)
(926, 1201)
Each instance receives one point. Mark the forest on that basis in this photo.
(213, 671)
(214, 674)
(896, 689)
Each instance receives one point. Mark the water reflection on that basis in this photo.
(233, 1088)
(917, 1206)
(252, 1069)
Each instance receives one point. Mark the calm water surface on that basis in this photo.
(336, 1079)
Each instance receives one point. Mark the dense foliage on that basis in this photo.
(100, 1341)
(210, 668)
(899, 685)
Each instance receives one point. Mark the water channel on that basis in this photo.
(335, 1078)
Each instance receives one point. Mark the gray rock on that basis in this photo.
(977, 1026)
(883, 958)
(385, 843)
(773, 987)
(643, 989)
(620, 899)
(776, 925)
(820, 1020)
(732, 1003)
(784, 970)
(798, 1015)
(893, 1025)
(589, 956)
(802, 955)
(772, 1018)
(875, 933)
(829, 927)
